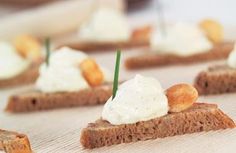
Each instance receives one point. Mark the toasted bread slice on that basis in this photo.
(140, 38)
(99, 46)
(36, 100)
(219, 51)
(216, 80)
(199, 117)
(13, 142)
(27, 77)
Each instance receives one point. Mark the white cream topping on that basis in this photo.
(231, 61)
(11, 63)
(63, 72)
(180, 39)
(139, 99)
(105, 25)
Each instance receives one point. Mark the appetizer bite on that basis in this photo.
(141, 110)
(19, 61)
(68, 78)
(183, 43)
(218, 79)
(13, 142)
(106, 29)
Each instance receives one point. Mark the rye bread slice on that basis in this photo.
(139, 38)
(13, 142)
(36, 100)
(200, 117)
(219, 51)
(27, 77)
(216, 80)
(93, 46)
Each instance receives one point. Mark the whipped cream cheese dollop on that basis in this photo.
(139, 99)
(105, 25)
(180, 39)
(63, 72)
(231, 61)
(11, 63)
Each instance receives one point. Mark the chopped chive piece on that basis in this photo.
(116, 75)
(47, 47)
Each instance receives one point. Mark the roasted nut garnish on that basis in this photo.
(142, 34)
(27, 46)
(212, 29)
(91, 72)
(181, 97)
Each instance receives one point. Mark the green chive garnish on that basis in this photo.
(116, 75)
(47, 47)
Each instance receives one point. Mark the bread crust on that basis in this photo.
(13, 142)
(200, 117)
(140, 38)
(95, 47)
(216, 80)
(147, 60)
(27, 77)
(36, 100)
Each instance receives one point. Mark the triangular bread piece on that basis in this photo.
(216, 80)
(13, 142)
(29, 76)
(199, 117)
(139, 38)
(219, 51)
(35, 100)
